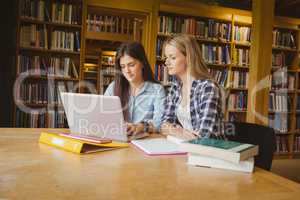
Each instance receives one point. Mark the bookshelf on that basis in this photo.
(105, 29)
(47, 60)
(283, 97)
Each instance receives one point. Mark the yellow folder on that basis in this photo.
(77, 146)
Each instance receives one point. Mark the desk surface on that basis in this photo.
(29, 170)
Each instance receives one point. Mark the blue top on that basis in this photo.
(147, 105)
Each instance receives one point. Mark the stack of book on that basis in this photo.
(220, 154)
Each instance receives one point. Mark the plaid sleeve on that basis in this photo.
(169, 111)
(208, 100)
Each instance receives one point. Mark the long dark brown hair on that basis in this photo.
(121, 88)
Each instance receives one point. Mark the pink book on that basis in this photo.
(158, 146)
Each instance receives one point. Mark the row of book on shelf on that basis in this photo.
(212, 54)
(112, 24)
(161, 74)
(282, 144)
(43, 93)
(297, 143)
(61, 12)
(36, 36)
(47, 66)
(279, 122)
(205, 29)
(241, 57)
(217, 54)
(210, 29)
(240, 78)
(108, 60)
(237, 101)
(220, 76)
(62, 40)
(278, 59)
(104, 71)
(284, 60)
(51, 119)
(242, 34)
(281, 79)
(284, 39)
(280, 102)
(297, 122)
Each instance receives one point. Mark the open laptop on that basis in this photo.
(96, 116)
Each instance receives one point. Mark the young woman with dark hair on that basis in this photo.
(142, 98)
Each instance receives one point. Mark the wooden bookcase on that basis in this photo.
(47, 60)
(285, 114)
(105, 29)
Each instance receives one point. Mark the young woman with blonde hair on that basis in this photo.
(194, 104)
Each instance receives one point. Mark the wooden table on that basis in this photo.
(29, 170)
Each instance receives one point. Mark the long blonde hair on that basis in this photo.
(189, 47)
(196, 66)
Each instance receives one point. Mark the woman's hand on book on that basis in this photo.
(177, 131)
(133, 129)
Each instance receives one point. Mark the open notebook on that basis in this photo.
(158, 146)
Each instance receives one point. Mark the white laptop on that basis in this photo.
(95, 115)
